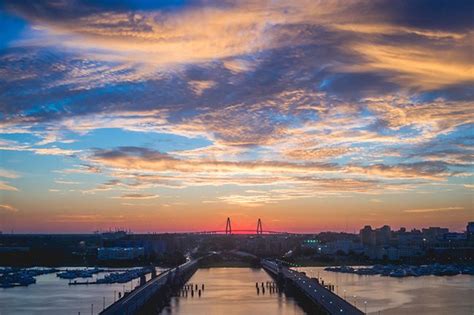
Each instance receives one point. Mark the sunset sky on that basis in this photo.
(173, 115)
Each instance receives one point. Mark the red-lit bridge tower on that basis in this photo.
(228, 227)
(259, 227)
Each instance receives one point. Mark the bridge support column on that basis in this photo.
(228, 227)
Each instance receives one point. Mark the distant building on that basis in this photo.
(311, 243)
(470, 230)
(340, 246)
(120, 253)
(392, 253)
(113, 235)
(367, 236)
(433, 234)
(455, 236)
(382, 253)
(409, 251)
(412, 238)
(152, 247)
(383, 235)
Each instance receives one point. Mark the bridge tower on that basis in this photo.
(259, 227)
(228, 227)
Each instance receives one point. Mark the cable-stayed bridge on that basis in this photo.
(229, 231)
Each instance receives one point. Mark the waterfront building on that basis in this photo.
(470, 230)
(341, 246)
(120, 253)
(367, 236)
(455, 236)
(383, 235)
(433, 234)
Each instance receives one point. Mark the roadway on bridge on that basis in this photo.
(330, 301)
(133, 301)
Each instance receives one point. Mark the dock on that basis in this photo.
(326, 301)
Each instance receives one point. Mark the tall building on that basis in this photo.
(367, 236)
(383, 235)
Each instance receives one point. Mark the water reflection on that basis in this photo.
(233, 291)
(51, 295)
(411, 295)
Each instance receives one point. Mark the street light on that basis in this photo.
(365, 307)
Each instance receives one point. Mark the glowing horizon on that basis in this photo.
(174, 115)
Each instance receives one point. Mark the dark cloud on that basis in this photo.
(446, 15)
(42, 84)
(70, 10)
(354, 86)
(138, 196)
(120, 152)
(382, 70)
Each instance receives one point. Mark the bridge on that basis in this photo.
(326, 301)
(149, 297)
(229, 231)
(145, 298)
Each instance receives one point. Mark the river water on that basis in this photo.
(386, 295)
(51, 295)
(231, 291)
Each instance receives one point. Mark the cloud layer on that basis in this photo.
(280, 100)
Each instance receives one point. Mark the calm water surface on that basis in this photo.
(231, 291)
(53, 296)
(386, 295)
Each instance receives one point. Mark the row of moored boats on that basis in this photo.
(16, 277)
(400, 271)
(123, 277)
(79, 273)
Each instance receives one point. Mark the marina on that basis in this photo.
(426, 295)
(233, 291)
(14, 277)
(400, 271)
(78, 273)
(68, 299)
(117, 277)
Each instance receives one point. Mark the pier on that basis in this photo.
(326, 301)
(149, 295)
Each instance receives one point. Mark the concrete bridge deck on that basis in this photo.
(326, 300)
(133, 302)
(144, 295)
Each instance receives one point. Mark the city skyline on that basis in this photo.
(172, 116)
